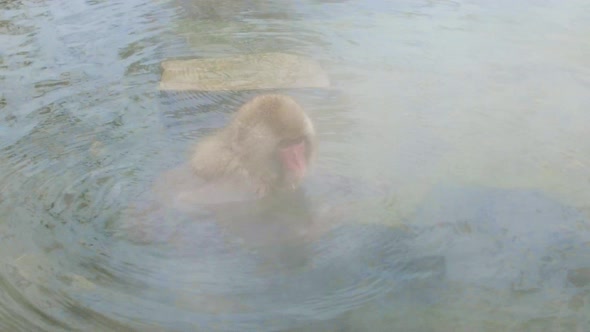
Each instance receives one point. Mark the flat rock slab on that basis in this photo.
(243, 72)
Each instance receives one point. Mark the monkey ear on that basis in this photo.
(241, 129)
(237, 136)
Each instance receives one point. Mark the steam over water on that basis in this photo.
(454, 152)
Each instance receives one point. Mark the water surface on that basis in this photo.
(468, 117)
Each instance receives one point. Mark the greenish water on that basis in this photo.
(471, 117)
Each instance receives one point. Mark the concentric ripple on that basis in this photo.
(491, 97)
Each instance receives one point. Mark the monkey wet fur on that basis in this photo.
(266, 147)
(240, 173)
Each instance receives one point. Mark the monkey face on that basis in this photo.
(293, 157)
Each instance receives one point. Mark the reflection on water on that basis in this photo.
(454, 148)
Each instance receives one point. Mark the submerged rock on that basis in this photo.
(243, 72)
(517, 240)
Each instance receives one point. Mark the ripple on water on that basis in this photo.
(78, 108)
(73, 186)
(231, 290)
